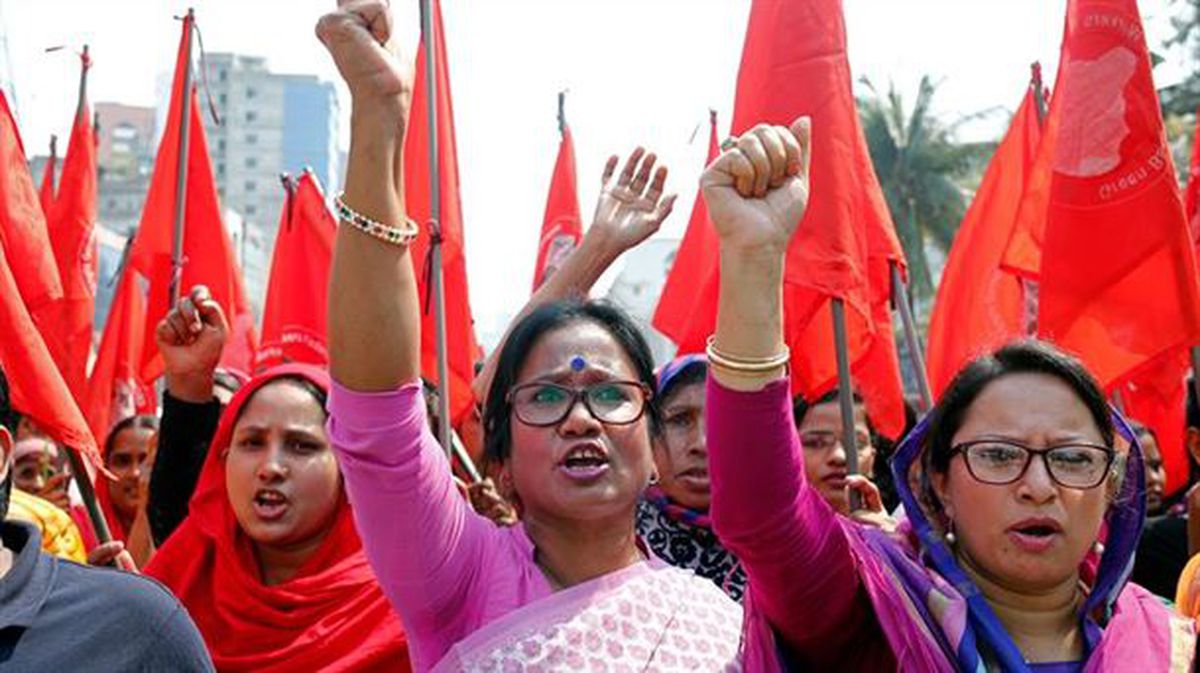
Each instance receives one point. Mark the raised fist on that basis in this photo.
(757, 189)
(357, 36)
(191, 338)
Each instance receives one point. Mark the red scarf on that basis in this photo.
(332, 616)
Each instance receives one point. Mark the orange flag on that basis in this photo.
(208, 257)
(23, 235)
(115, 389)
(687, 307)
(1117, 271)
(38, 389)
(294, 315)
(72, 231)
(561, 225)
(46, 191)
(463, 351)
(979, 306)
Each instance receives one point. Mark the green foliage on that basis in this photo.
(921, 169)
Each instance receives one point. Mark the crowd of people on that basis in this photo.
(691, 516)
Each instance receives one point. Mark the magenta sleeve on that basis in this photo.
(802, 573)
(428, 548)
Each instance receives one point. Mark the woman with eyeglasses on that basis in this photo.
(567, 416)
(1019, 539)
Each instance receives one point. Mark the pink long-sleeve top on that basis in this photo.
(446, 570)
(802, 573)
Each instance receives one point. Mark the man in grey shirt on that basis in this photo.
(61, 616)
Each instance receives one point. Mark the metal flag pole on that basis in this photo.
(181, 163)
(845, 393)
(562, 116)
(915, 349)
(429, 38)
(87, 490)
(1029, 287)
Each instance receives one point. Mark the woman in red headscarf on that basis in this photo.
(268, 562)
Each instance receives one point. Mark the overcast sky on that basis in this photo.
(638, 71)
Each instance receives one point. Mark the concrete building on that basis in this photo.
(126, 144)
(638, 287)
(269, 124)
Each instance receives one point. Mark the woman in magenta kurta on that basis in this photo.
(999, 567)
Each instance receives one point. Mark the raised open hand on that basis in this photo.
(357, 35)
(191, 338)
(757, 190)
(630, 210)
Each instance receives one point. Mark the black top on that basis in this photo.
(691, 547)
(184, 434)
(1161, 554)
(56, 615)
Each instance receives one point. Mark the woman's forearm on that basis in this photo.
(374, 318)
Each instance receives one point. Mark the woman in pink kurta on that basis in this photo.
(568, 418)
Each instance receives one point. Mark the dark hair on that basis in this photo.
(801, 406)
(140, 422)
(292, 379)
(1193, 409)
(691, 374)
(1030, 356)
(497, 411)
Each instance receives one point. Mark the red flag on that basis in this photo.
(793, 63)
(1117, 275)
(207, 252)
(294, 315)
(561, 225)
(72, 231)
(115, 390)
(46, 192)
(687, 307)
(877, 374)
(23, 235)
(1192, 198)
(462, 348)
(979, 306)
(38, 389)
(1158, 398)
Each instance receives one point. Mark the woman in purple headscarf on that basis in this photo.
(672, 516)
(1020, 535)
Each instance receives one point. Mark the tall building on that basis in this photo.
(268, 124)
(125, 151)
(310, 129)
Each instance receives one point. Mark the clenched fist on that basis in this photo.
(357, 36)
(757, 190)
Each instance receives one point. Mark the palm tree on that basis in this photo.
(920, 167)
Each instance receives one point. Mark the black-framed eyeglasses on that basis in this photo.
(1077, 465)
(542, 404)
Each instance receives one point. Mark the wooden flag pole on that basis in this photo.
(845, 394)
(429, 39)
(181, 161)
(911, 338)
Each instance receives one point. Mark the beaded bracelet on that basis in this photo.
(393, 235)
(742, 365)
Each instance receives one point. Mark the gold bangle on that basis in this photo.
(402, 235)
(739, 364)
